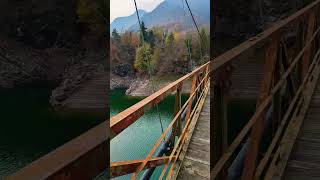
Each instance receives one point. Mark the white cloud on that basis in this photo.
(119, 8)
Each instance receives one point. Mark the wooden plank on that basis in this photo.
(195, 164)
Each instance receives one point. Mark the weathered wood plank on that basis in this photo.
(304, 162)
(196, 164)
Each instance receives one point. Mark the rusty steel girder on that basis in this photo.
(125, 118)
(82, 158)
(128, 167)
(268, 92)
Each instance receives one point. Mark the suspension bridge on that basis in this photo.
(279, 141)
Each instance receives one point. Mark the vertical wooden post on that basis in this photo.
(308, 53)
(257, 129)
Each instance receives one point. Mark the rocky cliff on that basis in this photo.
(44, 41)
(244, 18)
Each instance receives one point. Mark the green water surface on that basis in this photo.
(137, 140)
(30, 127)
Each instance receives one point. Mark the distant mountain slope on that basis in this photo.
(124, 23)
(173, 14)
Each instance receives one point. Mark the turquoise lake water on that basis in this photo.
(136, 141)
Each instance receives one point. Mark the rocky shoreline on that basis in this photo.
(142, 86)
(69, 70)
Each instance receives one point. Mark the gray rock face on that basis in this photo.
(40, 23)
(73, 79)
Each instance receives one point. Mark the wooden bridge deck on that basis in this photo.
(304, 162)
(196, 163)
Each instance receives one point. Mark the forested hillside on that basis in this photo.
(164, 52)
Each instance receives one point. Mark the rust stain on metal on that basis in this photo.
(122, 120)
(128, 167)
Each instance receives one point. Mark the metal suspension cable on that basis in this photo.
(149, 64)
(188, 48)
(196, 25)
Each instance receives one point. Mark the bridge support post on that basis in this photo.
(193, 87)
(257, 130)
(177, 126)
(220, 127)
(220, 120)
(277, 99)
(308, 53)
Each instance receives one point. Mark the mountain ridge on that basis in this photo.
(171, 14)
(123, 23)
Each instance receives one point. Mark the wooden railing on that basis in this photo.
(191, 108)
(291, 69)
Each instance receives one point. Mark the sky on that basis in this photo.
(120, 8)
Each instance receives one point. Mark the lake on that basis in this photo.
(31, 128)
(136, 141)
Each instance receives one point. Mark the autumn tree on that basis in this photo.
(188, 47)
(143, 33)
(204, 40)
(155, 59)
(143, 58)
(169, 39)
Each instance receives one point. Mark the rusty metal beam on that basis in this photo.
(307, 54)
(193, 87)
(82, 158)
(177, 127)
(182, 143)
(280, 159)
(285, 63)
(140, 168)
(226, 156)
(128, 167)
(186, 131)
(124, 119)
(257, 130)
(262, 37)
(280, 129)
